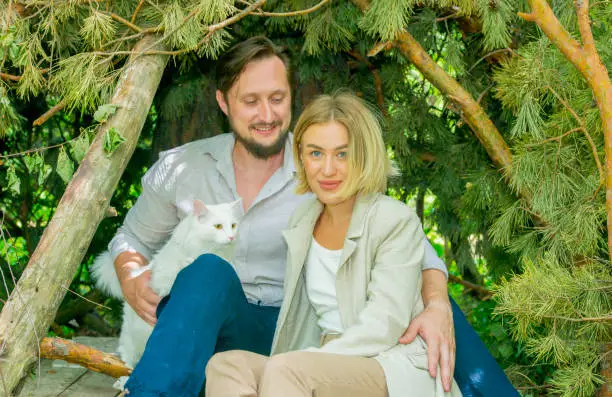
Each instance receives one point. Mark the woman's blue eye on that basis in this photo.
(315, 153)
(341, 155)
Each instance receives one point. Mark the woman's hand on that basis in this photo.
(435, 326)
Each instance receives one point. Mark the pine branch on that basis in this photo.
(586, 59)
(582, 127)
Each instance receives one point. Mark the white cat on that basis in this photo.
(208, 229)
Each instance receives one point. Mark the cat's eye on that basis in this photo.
(233, 225)
(218, 226)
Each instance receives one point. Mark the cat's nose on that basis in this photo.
(231, 238)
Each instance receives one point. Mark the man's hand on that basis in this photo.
(435, 325)
(136, 290)
(141, 297)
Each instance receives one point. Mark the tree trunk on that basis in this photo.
(33, 303)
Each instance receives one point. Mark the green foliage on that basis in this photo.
(65, 166)
(98, 28)
(386, 18)
(104, 112)
(112, 140)
(327, 30)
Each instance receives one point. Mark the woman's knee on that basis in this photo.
(220, 364)
(285, 364)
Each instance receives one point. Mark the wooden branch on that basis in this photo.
(49, 113)
(137, 10)
(30, 309)
(378, 85)
(85, 356)
(292, 13)
(486, 294)
(11, 77)
(127, 23)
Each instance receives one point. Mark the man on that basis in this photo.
(214, 306)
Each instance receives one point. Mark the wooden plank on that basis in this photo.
(59, 378)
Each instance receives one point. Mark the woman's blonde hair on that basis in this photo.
(369, 164)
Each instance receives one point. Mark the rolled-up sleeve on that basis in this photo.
(432, 260)
(150, 221)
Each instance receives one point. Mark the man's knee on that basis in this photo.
(209, 270)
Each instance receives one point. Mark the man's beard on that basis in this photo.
(263, 152)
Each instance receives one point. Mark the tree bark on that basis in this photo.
(87, 357)
(33, 303)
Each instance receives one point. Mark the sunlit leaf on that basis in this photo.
(65, 166)
(12, 181)
(104, 112)
(79, 147)
(112, 140)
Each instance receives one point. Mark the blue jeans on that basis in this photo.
(476, 372)
(206, 312)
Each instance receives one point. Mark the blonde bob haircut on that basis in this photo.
(369, 164)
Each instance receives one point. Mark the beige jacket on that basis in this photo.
(378, 287)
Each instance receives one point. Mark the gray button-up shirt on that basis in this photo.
(204, 170)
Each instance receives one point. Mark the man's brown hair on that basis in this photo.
(233, 61)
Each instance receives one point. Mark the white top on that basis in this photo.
(321, 267)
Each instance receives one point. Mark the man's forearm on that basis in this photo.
(434, 288)
(127, 262)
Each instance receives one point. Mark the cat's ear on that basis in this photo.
(199, 208)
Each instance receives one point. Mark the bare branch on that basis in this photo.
(292, 13)
(49, 113)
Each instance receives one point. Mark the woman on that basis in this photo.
(353, 277)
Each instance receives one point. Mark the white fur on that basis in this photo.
(195, 235)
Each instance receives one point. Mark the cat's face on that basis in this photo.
(216, 223)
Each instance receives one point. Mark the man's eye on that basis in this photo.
(277, 100)
(250, 102)
(218, 226)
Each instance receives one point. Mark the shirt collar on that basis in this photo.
(221, 150)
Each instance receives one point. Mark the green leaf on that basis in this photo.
(112, 140)
(65, 167)
(79, 147)
(44, 173)
(505, 349)
(104, 112)
(33, 163)
(12, 181)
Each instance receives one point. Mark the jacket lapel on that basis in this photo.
(298, 240)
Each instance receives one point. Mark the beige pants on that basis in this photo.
(239, 373)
